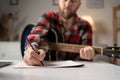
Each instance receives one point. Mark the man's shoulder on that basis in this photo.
(51, 14)
(83, 21)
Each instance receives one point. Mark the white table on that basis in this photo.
(91, 71)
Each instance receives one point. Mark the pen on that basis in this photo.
(34, 50)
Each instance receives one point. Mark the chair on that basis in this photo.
(116, 27)
(25, 33)
(116, 24)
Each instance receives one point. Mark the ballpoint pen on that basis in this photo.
(34, 50)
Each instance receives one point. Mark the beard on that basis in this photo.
(67, 13)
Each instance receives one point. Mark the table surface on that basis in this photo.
(91, 71)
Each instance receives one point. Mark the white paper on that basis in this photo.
(55, 64)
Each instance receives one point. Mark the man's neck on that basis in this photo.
(67, 22)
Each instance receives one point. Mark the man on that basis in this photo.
(74, 30)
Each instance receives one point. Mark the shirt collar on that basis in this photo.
(61, 21)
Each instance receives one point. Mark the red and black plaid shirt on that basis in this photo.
(79, 33)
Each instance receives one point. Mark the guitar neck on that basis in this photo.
(68, 47)
(76, 48)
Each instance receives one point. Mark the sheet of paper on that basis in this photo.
(55, 64)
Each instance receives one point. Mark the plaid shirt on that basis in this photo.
(79, 33)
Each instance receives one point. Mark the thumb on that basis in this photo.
(42, 53)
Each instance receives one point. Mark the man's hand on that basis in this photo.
(32, 58)
(87, 53)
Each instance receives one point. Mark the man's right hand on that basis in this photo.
(32, 58)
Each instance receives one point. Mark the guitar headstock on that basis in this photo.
(113, 52)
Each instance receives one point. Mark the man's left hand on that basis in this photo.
(87, 53)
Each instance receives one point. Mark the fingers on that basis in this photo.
(87, 53)
(42, 54)
(32, 61)
(33, 58)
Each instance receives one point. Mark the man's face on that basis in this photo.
(67, 8)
